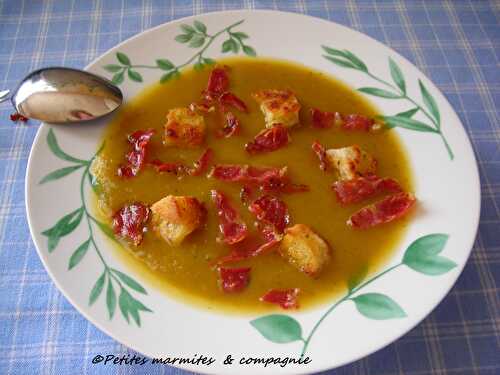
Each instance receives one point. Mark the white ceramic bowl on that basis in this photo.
(371, 316)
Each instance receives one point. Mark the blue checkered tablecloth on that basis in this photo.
(456, 43)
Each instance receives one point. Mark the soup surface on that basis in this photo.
(185, 271)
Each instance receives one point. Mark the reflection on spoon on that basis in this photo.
(66, 106)
(64, 95)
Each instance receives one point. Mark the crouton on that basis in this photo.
(278, 107)
(175, 217)
(304, 249)
(184, 128)
(351, 162)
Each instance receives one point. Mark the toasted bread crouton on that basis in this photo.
(278, 107)
(184, 128)
(175, 217)
(304, 249)
(351, 162)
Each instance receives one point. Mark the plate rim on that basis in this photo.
(435, 303)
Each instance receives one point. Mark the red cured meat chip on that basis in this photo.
(285, 298)
(269, 179)
(325, 120)
(175, 168)
(246, 193)
(271, 210)
(16, 116)
(202, 163)
(199, 166)
(140, 138)
(357, 122)
(234, 279)
(129, 222)
(231, 226)
(320, 152)
(231, 126)
(218, 82)
(136, 157)
(217, 96)
(228, 99)
(269, 140)
(246, 173)
(262, 174)
(360, 188)
(252, 250)
(204, 106)
(322, 119)
(384, 211)
(229, 172)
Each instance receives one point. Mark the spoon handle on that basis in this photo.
(4, 95)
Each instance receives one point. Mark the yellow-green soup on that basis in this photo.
(185, 272)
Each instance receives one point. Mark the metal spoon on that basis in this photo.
(64, 95)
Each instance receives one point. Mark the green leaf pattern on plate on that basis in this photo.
(64, 226)
(111, 299)
(378, 306)
(130, 306)
(110, 278)
(78, 254)
(421, 255)
(379, 92)
(407, 123)
(409, 113)
(112, 68)
(130, 282)
(123, 58)
(134, 76)
(395, 91)
(59, 173)
(200, 26)
(97, 288)
(430, 103)
(344, 59)
(278, 328)
(397, 76)
(249, 51)
(165, 64)
(194, 36)
(57, 151)
(118, 78)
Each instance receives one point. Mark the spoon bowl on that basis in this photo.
(65, 95)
